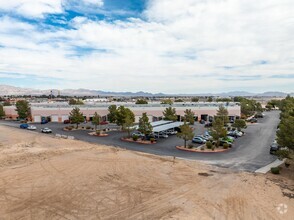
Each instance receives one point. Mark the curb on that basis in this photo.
(122, 139)
(268, 167)
(201, 151)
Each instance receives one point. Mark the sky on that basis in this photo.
(169, 46)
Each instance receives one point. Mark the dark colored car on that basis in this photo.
(274, 148)
(202, 121)
(66, 121)
(44, 122)
(253, 120)
(104, 122)
(24, 126)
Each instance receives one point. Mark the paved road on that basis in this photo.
(249, 152)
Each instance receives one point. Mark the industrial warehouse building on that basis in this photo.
(58, 112)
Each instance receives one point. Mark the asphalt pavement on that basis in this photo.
(249, 152)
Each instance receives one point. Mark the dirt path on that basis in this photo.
(47, 178)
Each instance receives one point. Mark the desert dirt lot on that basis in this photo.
(47, 178)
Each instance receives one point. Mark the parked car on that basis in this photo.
(204, 137)
(171, 132)
(222, 142)
(138, 133)
(258, 115)
(103, 122)
(198, 140)
(253, 120)
(67, 121)
(24, 126)
(235, 134)
(44, 122)
(274, 147)
(149, 136)
(46, 130)
(32, 127)
(160, 135)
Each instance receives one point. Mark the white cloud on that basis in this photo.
(182, 46)
(32, 8)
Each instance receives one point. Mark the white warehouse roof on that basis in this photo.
(167, 126)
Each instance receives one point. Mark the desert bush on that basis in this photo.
(135, 137)
(213, 148)
(209, 145)
(152, 140)
(98, 132)
(202, 148)
(287, 163)
(275, 170)
(190, 146)
(83, 127)
(69, 128)
(283, 154)
(88, 127)
(226, 145)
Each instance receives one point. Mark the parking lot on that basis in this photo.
(249, 152)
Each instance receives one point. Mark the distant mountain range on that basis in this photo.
(12, 90)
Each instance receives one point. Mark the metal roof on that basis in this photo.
(156, 123)
(161, 122)
(167, 126)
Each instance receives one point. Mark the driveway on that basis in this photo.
(249, 152)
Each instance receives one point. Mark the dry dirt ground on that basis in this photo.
(49, 178)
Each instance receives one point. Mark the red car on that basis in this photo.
(66, 121)
(103, 122)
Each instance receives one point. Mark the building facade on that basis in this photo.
(56, 112)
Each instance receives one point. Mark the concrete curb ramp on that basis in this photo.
(268, 167)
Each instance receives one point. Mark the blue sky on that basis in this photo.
(168, 46)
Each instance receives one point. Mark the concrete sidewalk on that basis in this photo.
(268, 167)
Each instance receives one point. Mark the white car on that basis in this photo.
(32, 127)
(46, 130)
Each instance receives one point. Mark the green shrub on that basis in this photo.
(213, 148)
(275, 170)
(202, 148)
(190, 146)
(135, 137)
(283, 154)
(226, 145)
(98, 132)
(152, 140)
(209, 145)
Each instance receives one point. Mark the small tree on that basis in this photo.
(112, 113)
(75, 102)
(23, 109)
(285, 134)
(96, 120)
(209, 99)
(2, 112)
(186, 133)
(128, 124)
(167, 102)
(170, 114)
(189, 116)
(141, 102)
(121, 114)
(76, 116)
(144, 125)
(218, 131)
(239, 124)
(223, 113)
(195, 99)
